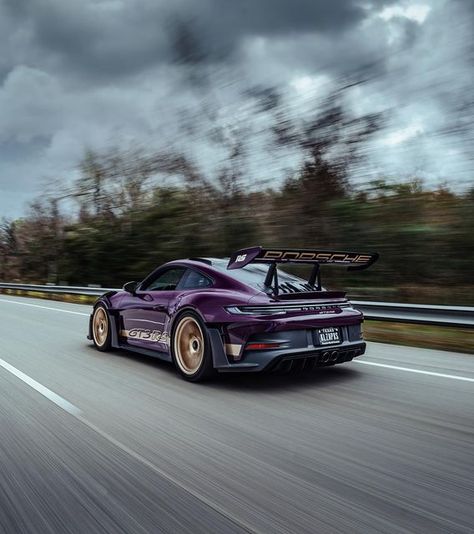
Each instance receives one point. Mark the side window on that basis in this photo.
(194, 280)
(166, 281)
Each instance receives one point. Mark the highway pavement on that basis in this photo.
(118, 443)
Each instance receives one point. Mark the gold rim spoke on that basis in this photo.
(189, 345)
(100, 327)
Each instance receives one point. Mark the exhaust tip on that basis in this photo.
(334, 354)
(326, 356)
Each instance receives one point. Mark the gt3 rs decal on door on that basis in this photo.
(154, 336)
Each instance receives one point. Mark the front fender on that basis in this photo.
(107, 300)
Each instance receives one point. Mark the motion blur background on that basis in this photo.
(138, 131)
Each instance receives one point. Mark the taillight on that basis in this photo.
(262, 346)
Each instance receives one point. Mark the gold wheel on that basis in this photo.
(100, 326)
(189, 345)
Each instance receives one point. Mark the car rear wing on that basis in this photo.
(354, 261)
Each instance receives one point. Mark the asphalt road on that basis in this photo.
(115, 443)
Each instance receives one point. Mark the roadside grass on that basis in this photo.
(62, 297)
(427, 336)
(417, 335)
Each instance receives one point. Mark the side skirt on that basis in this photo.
(146, 352)
(138, 350)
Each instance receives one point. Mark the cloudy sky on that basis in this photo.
(163, 74)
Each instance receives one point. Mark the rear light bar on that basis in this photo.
(262, 346)
(281, 309)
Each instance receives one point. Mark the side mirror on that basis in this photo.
(130, 287)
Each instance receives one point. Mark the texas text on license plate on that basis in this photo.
(329, 336)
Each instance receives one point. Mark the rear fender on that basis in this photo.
(177, 314)
(211, 304)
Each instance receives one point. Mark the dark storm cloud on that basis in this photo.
(99, 39)
(224, 23)
(96, 39)
(281, 16)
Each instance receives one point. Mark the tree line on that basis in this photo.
(131, 210)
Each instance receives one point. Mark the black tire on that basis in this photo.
(191, 348)
(101, 328)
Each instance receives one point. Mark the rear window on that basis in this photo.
(254, 276)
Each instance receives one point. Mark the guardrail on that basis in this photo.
(58, 290)
(457, 316)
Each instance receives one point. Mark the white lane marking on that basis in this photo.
(77, 413)
(419, 371)
(173, 480)
(53, 397)
(43, 307)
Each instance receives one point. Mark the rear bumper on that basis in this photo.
(299, 346)
(305, 359)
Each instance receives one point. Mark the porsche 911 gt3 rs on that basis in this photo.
(242, 314)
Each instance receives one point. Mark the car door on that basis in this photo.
(145, 315)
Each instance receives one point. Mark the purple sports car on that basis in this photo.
(243, 314)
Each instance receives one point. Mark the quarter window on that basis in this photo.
(194, 280)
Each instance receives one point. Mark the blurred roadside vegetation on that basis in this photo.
(135, 209)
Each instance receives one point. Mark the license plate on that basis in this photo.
(329, 336)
